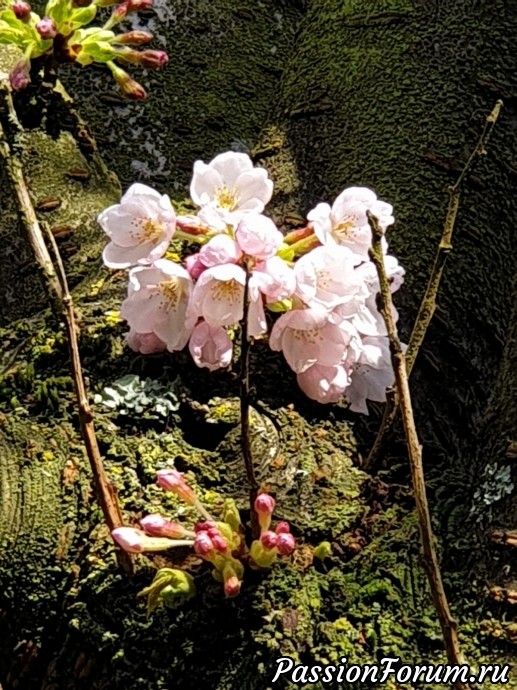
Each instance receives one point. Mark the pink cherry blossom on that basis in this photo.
(307, 337)
(218, 295)
(157, 302)
(210, 346)
(371, 375)
(140, 227)
(221, 249)
(228, 185)
(326, 276)
(324, 384)
(346, 222)
(145, 343)
(258, 236)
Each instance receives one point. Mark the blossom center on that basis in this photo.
(227, 198)
(310, 336)
(323, 279)
(149, 230)
(171, 293)
(344, 230)
(227, 290)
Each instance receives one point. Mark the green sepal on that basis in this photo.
(285, 252)
(81, 16)
(281, 307)
(60, 11)
(171, 587)
(323, 550)
(231, 515)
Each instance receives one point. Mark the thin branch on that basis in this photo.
(245, 410)
(428, 304)
(431, 564)
(57, 286)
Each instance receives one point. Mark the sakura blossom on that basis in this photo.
(346, 223)
(140, 227)
(258, 236)
(210, 346)
(227, 185)
(324, 384)
(157, 301)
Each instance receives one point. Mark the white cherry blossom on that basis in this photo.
(157, 302)
(140, 227)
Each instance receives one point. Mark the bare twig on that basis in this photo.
(428, 304)
(58, 290)
(431, 564)
(245, 410)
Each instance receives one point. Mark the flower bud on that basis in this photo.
(261, 557)
(81, 3)
(19, 77)
(158, 526)
(204, 526)
(172, 480)
(220, 543)
(138, 5)
(194, 266)
(150, 59)
(285, 544)
(283, 527)
(22, 9)
(268, 539)
(133, 38)
(232, 584)
(264, 506)
(171, 587)
(134, 540)
(203, 545)
(46, 28)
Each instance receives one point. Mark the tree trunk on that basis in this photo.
(391, 95)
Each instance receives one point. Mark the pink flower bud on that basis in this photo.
(134, 38)
(283, 528)
(158, 526)
(46, 28)
(220, 543)
(203, 545)
(19, 77)
(136, 541)
(153, 59)
(264, 506)
(145, 343)
(22, 9)
(268, 539)
(138, 5)
(172, 480)
(203, 526)
(213, 532)
(285, 544)
(232, 586)
(194, 266)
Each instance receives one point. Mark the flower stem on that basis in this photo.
(245, 410)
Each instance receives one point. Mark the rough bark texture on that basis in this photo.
(325, 94)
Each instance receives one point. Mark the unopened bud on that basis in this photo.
(19, 77)
(285, 544)
(46, 28)
(203, 545)
(282, 527)
(204, 526)
(194, 266)
(129, 87)
(22, 9)
(136, 541)
(133, 38)
(172, 480)
(268, 539)
(232, 584)
(264, 506)
(138, 5)
(81, 3)
(220, 543)
(159, 526)
(150, 59)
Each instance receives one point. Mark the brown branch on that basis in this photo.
(57, 286)
(431, 564)
(428, 304)
(245, 410)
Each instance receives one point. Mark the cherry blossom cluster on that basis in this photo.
(319, 279)
(221, 543)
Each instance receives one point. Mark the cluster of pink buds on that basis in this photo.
(220, 543)
(272, 543)
(61, 33)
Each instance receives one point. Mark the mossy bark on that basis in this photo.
(391, 95)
